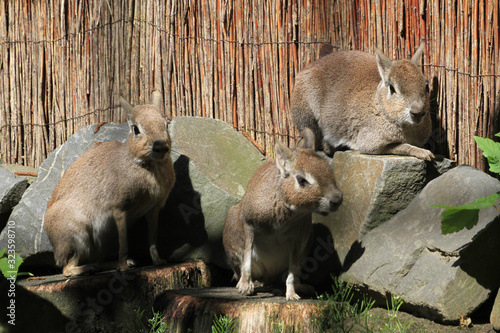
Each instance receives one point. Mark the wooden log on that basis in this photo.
(196, 308)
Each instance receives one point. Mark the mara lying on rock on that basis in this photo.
(364, 102)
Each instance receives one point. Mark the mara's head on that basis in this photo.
(148, 139)
(308, 183)
(402, 91)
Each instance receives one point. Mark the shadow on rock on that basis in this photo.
(481, 258)
(181, 221)
(355, 252)
(322, 262)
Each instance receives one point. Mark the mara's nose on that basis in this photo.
(417, 109)
(417, 113)
(160, 147)
(336, 200)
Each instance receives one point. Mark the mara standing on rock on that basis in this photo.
(106, 189)
(270, 230)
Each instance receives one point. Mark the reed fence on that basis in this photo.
(62, 63)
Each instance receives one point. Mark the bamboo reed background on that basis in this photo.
(62, 63)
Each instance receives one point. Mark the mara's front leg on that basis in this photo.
(245, 284)
(409, 150)
(121, 225)
(296, 256)
(152, 218)
(293, 276)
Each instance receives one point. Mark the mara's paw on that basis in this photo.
(245, 287)
(72, 270)
(159, 261)
(156, 257)
(122, 266)
(292, 296)
(423, 154)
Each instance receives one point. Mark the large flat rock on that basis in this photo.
(441, 277)
(375, 188)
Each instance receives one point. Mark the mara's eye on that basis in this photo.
(302, 181)
(392, 89)
(135, 129)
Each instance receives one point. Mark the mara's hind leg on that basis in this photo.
(305, 118)
(73, 269)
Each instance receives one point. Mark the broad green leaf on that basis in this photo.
(2, 252)
(491, 150)
(455, 218)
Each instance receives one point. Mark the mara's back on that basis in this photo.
(337, 77)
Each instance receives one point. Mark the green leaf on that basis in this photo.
(491, 150)
(483, 202)
(456, 218)
(9, 266)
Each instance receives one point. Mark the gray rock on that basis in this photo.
(12, 188)
(375, 188)
(439, 276)
(22, 171)
(27, 216)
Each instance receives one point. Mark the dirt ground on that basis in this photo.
(379, 318)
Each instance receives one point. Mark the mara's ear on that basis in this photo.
(156, 99)
(283, 156)
(307, 139)
(326, 49)
(384, 65)
(418, 53)
(127, 107)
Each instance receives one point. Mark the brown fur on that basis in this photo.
(106, 189)
(270, 230)
(345, 98)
